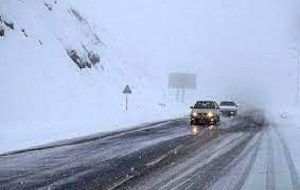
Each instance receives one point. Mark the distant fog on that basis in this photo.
(240, 49)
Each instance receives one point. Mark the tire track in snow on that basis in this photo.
(292, 169)
(236, 173)
(250, 164)
(270, 170)
(210, 173)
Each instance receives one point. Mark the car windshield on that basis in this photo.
(205, 105)
(227, 104)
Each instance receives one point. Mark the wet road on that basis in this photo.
(165, 155)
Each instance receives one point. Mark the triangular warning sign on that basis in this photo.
(127, 90)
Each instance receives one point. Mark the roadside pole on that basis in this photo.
(126, 102)
(298, 77)
(297, 50)
(127, 91)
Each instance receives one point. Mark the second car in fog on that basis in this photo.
(228, 108)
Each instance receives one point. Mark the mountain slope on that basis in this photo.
(61, 78)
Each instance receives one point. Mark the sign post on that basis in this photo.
(181, 82)
(127, 91)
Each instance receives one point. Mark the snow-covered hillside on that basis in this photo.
(62, 76)
(65, 63)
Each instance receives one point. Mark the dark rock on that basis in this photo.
(77, 15)
(2, 32)
(94, 58)
(88, 64)
(9, 24)
(76, 58)
(49, 6)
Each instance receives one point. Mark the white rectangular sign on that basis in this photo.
(183, 80)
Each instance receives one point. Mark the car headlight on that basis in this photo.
(194, 114)
(195, 130)
(210, 114)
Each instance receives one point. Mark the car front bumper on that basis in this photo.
(204, 120)
(229, 113)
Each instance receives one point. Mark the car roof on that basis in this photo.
(207, 101)
(227, 102)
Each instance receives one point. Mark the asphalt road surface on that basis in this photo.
(240, 153)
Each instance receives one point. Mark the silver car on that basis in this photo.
(228, 108)
(205, 112)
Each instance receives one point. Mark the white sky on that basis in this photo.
(237, 47)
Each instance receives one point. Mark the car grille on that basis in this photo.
(202, 114)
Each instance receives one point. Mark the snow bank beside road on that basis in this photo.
(17, 137)
(288, 125)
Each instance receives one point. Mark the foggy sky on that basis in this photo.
(239, 49)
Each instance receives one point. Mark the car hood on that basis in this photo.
(204, 110)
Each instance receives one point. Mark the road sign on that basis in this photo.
(127, 91)
(181, 82)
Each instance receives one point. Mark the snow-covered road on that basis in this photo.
(242, 153)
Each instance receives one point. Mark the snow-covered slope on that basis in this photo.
(61, 77)
(64, 63)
